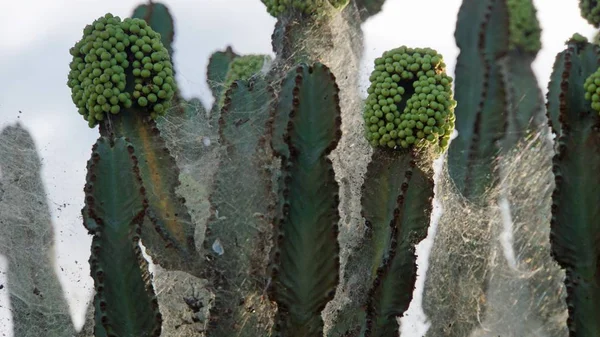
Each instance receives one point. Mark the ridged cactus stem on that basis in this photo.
(37, 302)
(575, 224)
(305, 259)
(482, 35)
(336, 41)
(115, 206)
(168, 228)
(237, 244)
(407, 210)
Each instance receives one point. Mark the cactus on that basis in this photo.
(452, 300)
(37, 301)
(301, 241)
(574, 225)
(398, 188)
(125, 303)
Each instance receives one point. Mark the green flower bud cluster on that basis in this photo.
(427, 116)
(590, 10)
(118, 64)
(592, 90)
(242, 68)
(524, 27)
(308, 7)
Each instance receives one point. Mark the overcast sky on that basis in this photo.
(35, 37)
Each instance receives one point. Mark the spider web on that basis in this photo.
(529, 280)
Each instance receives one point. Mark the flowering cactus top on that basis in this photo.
(427, 115)
(110, 55)
(307, 7)
(590, 10)
(524, 27)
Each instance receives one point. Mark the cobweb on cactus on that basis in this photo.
(525, 290)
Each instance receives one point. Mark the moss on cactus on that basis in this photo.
(590, 10)
(307, 7)
(427, 115)
(524, 27)
(110, 54)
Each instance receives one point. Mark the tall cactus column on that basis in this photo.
(456, 280)
(121, 78)
(573, 109)
(409, 116)
(331, 34)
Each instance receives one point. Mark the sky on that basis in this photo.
(35, 37)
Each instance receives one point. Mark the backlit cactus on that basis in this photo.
(307, 7)
(410, 99)
(109, 52)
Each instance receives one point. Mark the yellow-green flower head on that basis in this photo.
(118, 64)
(592, 90)
(524, 27)
(590, 10)
(410, 100)
(317, 8)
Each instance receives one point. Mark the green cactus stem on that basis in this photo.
(482, 35)
(237, 244)
(115, 205)
(575, 228)
(481, 121)
(526, 113)
(305, 262)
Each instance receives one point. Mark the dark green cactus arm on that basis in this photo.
(553, 97)
(482, 36)
(393, 285)
(305, 261)
(526, 113)
(168, 230)
(237, 234)
(158, 17)
(115, 200)
(575, 225)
